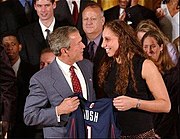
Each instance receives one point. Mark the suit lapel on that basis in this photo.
(100, 52)
(68, 10)
(86, 77)
(85, 53)
(56, 25)
(60, 83)
(37, 33)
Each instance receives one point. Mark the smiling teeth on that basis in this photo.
(107, 49)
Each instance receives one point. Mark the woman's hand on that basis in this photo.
(123, 103)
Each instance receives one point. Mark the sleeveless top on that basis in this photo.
(132, 121)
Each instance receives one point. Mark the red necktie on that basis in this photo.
(75, 81)
(75, 12)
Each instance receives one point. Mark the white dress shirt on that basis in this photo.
(16, 66)
(43, 28)
(65, 70)
(71, 6)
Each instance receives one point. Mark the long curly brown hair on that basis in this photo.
(128, 46)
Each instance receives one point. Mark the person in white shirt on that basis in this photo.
(168, 13)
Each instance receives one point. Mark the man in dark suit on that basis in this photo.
(93, 21)
(136, 13)
(64, 10)
(8, 93)
(132, 13)
(23, 16)
(49, 103)
(13, 17)
(33, 37)
(23, 72)
(116, 11)
(8, 20)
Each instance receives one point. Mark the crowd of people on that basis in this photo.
(53, 52)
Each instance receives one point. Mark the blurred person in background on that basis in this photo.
(116, 11)
(176, 42)
(47, 56)
(8, 90)
(168, 14)
(15, 14)
(165, 124)
(148, 25)
(135, 13)
(71, 11)
(23, 72)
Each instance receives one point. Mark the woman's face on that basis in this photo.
(152, 48)
(110, 42)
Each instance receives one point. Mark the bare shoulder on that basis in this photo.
(149, 68)
(149, 64)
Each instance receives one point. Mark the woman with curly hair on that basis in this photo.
(132, 80)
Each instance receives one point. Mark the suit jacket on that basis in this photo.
(48, 92)
(112, 13)
(8, 20)
(20, 13)
(24, 73)
(7, 88)
(13, 17)
(63, 12)
(33, 42)
(99, 56)
(138, 13)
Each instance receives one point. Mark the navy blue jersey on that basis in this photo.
(93, 120)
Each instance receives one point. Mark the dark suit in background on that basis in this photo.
(112, 13)
(8, 20)
(116, 11)
(19, 11)
(13, 16)
(33, 41)
(20, 130)
(137, 13)
(99, 55)
(23, 72)
(62, 12)
(7, 90)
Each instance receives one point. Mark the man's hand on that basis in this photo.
(68, 105)
(160, 13)
(122, 16)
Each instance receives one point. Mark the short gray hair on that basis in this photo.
(59, 38)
